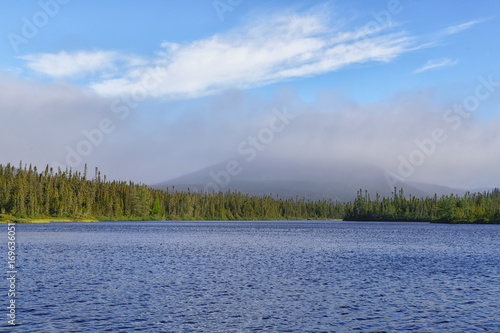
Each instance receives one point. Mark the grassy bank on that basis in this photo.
(48, 219)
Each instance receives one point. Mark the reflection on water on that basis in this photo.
(257, 276)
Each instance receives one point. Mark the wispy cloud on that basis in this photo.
(451, 30)
(437, 63)
(286, 48)
(70, 65)
(63, 64)
(278, 49)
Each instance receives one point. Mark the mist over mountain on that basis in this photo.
(289, 180)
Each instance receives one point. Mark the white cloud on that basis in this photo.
(436, 63)
(273, 50)
(278, 50)
(65, 64)
(69, 65)
(459, 27)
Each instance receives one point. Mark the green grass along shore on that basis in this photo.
(48, 219)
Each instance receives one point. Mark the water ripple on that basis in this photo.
(258, 276)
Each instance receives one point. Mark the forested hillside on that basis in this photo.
(27, 193)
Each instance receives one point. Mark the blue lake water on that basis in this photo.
(257, 276)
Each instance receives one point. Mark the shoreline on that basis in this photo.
(5, 219)
(12, 219)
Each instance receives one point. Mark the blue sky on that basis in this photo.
(138, 29)
(195, 54)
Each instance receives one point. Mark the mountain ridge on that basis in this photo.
(339, 182)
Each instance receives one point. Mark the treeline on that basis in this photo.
(471, 208)
(27, 193)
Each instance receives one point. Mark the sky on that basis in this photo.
(152, 90)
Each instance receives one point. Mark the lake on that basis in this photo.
(272, 276)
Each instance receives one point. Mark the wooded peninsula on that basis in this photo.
(27, 195)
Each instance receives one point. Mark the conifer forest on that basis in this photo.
(26, 192)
